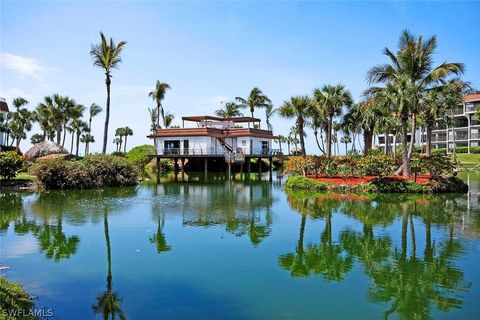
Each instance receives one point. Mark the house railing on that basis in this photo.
(213, 152)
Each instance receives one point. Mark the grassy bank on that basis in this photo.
(15, 303)
(468, 160)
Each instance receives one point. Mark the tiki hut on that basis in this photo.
(43, 149)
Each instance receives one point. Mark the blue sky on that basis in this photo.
(213, 51)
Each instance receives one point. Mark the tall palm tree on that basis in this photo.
(301, 108)
(126, 132)
(158, 94)
(79, 126)
(256, 99)
(117, 142)
(330, 100)
(153, 119)
(411, 70)
(93, 111)
(106, 55)
(269, 112)
(230, 110)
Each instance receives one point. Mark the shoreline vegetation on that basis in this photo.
(374, 172)
(15, 302)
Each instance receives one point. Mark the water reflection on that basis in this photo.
(108, 303)
(241, 207)
(408, 281)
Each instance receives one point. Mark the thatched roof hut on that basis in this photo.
(45, 148)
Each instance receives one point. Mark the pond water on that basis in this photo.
(219, 249)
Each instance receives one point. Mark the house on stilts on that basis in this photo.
(211, 138)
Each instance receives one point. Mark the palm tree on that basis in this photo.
(126, 132)
(330, 100)
(269, 112)
(158, 94)
(119, 132)
(106, 55)
(117, 142)
(301, 108)
(346, 139)
(17, 103)
(36, 138)
(168, 119)
(87, 138)
(256, 99)
(153, 119)
(93, 111)
(410, 74)
(20, 123)
(230, 110)
(78, 127)
(44, 116)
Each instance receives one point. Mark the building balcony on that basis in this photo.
(214, 152)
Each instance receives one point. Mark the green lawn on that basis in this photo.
(25, 176)
(468, 160)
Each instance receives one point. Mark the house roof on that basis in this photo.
(472, 97)
(212, 132)
(3, 106)
(234, 119)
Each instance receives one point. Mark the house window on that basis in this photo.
(244, 143)
(264, 147)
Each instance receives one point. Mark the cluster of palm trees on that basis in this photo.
(414, 93)
(121, 135)
(256, 99)
(56, 115)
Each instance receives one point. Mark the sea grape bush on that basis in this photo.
(94, 171)
(10, 164)
(375, 163)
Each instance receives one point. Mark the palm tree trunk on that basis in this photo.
(288, 146)
(78, 143)
(329, 137)
(367, 141)
(125, 145)
(59, 132)
(86, 147)
(412, 136)
(428, 147)
(71, 144)
(315, 133)
(386, 142)
(64, 133)
(107, 115)
(302, 139)
(405, 159)
(346, 148)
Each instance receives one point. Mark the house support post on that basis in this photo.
(205, 165)
(158, 169)
(271, 164)
(249, 165)
(259, 161)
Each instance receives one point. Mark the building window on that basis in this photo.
(244, 143)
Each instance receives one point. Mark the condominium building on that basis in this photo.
(464, 131)
(3, 110)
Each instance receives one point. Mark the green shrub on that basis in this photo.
(118, 154)
(375, 163)
(14, 299)
(436, 164)
(10, 164)
(165, 166)
(301, 182)
(386, 185)
(301, 165)
(94, 171)
(141, 155)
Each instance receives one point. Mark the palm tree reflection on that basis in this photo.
(108, 303)
(410, 284)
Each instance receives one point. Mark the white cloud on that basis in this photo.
(23, 65)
